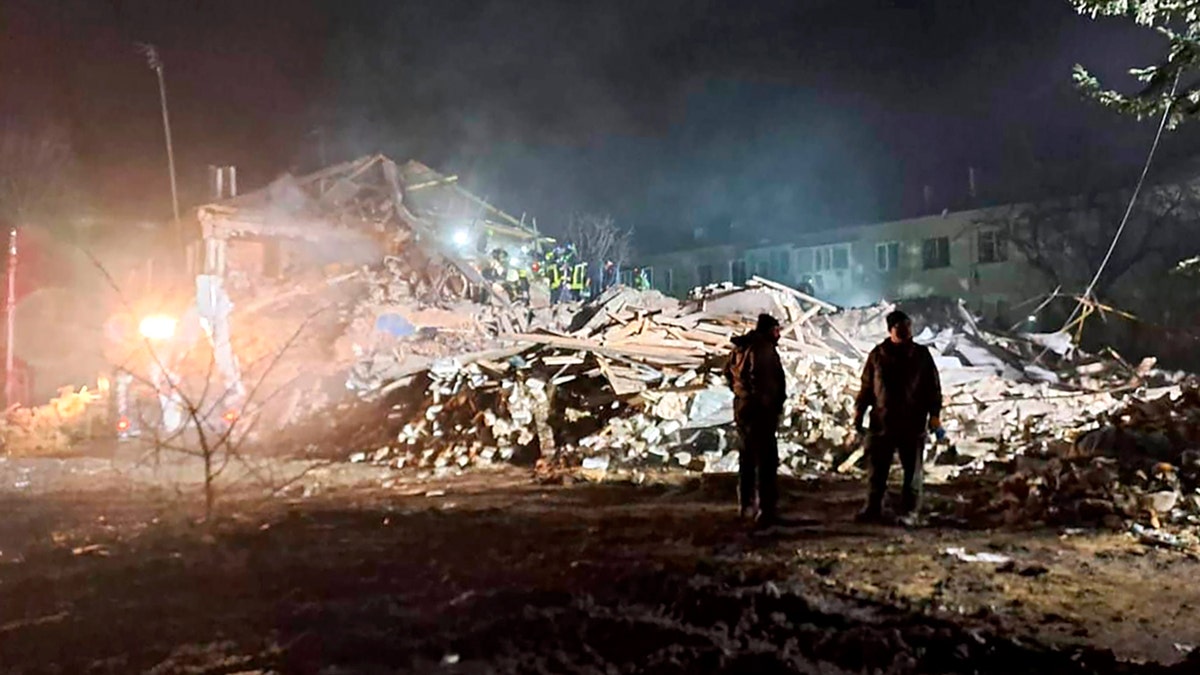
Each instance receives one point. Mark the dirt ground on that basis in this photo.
(494, 572)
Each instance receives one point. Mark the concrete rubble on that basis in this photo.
(630, 383)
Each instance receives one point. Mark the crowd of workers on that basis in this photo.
(562, 269)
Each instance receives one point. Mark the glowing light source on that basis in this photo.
(230, 416)
(157, 327)
(1032, 318)
(461, 238)
(123, 424)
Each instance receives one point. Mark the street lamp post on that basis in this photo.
(10, 318)
(156, 65)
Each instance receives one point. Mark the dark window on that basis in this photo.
(993, 246)
(804, 260)
(737, 272)
(704, 275)
(935, 253)
(668, 281)
(781, 263)
(841, 258)
(821, 256)
(887, 256)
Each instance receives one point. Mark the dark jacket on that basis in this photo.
(755, 374)
(900, 385)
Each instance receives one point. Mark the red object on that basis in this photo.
(123, 424)
(10, 314)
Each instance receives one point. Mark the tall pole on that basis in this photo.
(10, 320)
(156, 65)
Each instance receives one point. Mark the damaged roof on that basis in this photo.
(366, 195)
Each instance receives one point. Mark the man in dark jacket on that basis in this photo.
(755, 375)
(900, 386)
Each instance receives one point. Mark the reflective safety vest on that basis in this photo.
(578, 276)
(555, 276)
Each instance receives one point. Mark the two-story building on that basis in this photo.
(963, 254)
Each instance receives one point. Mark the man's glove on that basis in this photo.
(935, 424)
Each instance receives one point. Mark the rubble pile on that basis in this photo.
(1139, 461)
(634, 382)
(52, 428)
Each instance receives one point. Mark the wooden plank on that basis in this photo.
(794, 327)
(787, 289)
(657, 353)
(845, 339)
(563, 360)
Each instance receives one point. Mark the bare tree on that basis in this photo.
(599, 239)
(207, 429)
(1067, 239)
(35, 169)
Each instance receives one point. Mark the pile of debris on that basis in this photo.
(633, 383)
(1138, 462)
(54, 427)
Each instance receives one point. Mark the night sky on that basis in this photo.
(668, 114)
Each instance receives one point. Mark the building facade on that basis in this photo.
(962, 254)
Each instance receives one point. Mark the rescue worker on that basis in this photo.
(901, 387)
(755, 375)
(578, 280)
(523, 284)
(554, 276)
(641, 281)
(609, 276)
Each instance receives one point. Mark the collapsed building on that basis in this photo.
(628, 385)
(345, 308)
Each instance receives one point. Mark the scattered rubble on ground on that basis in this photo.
(629, 385)
(53, 427)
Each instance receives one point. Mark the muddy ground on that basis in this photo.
(495, 572)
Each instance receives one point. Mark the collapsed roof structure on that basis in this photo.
(364, 209)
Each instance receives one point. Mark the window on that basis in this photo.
(704, 275)
(804, 260)
(841, 257)
(820, 259)
(780, 263)
(993, 246)
(887, 256)
(831, 258)
(935, 253)
(668, 281)
(737, 271)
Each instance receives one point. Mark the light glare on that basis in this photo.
(157, 327)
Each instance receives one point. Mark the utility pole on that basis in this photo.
(10, 320)
(156, 64)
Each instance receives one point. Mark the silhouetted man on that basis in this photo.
(900, 386)
(755, 375)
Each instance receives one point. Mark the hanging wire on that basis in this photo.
(1162, 124)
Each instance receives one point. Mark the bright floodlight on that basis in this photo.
(461, 238)
(157, 327)
(1032, 319)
